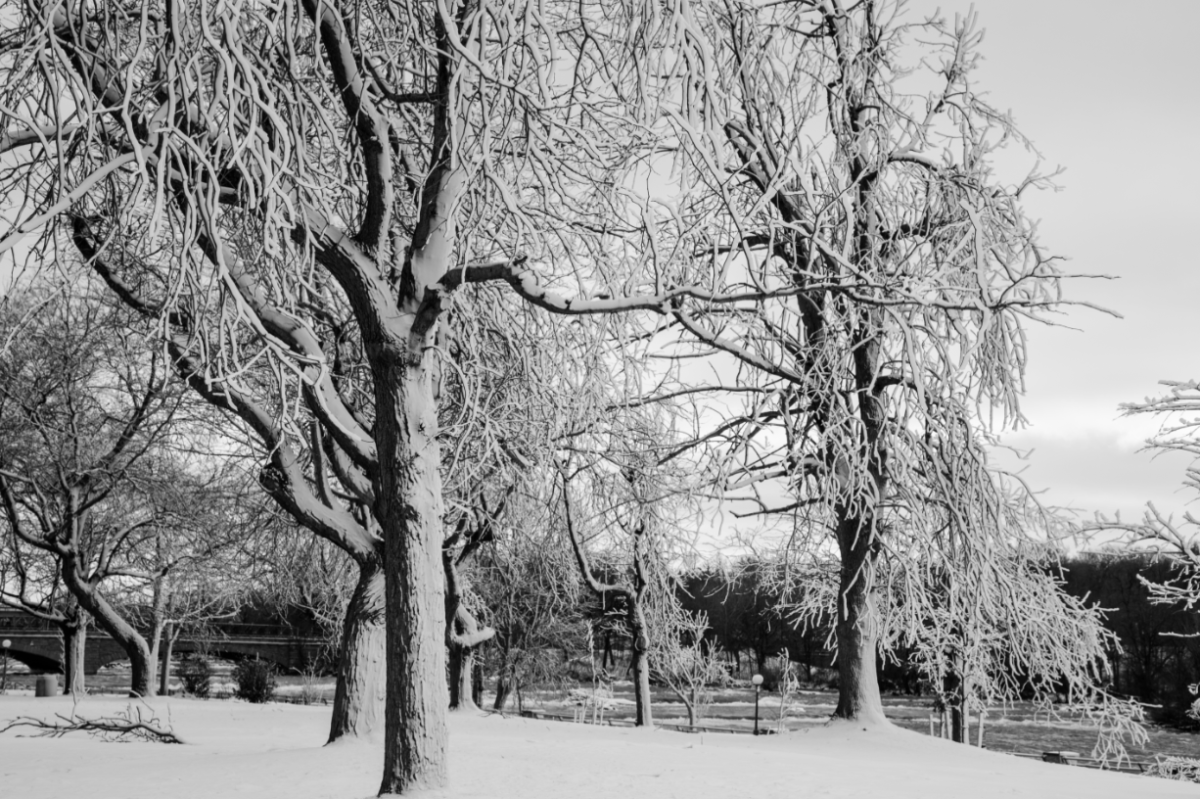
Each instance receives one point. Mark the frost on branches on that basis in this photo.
(872, 278)
(980, 612)
(1178, 539)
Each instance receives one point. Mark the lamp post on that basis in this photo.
(4, 645)
(757, 680)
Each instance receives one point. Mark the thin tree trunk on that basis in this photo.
(477, 681)
(640, 644)
(358, 699)
(164, 670)
(410, 514)
(858, 687)
(640, 647)
(503, 690)
(966, 717)
(454, 668)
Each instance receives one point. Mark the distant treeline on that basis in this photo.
(1160, 655)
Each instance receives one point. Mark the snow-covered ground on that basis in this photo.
(274, 751)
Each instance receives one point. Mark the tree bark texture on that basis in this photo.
(503, 691)
(644, 716)
(858, 687)
(462, 677)
(410, 513)
(164, 669)
(463, 637)
(477, 682)
(74, 642)
(952, 690)
(358, 700)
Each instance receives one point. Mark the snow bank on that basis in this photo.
(273, 751)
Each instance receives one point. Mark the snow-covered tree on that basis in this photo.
(261, 176)
(679, 656)
(1178, 538)
(530, 583)
(274, 182)
(875, 274)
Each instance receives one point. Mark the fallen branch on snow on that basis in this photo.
(122, 728)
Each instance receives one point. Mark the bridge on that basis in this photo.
(38, 644)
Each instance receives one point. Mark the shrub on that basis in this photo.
(311, 691)
(196, 675)
(773, 677)
(255, 680)
(1184, 769)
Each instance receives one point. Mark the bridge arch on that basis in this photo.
(36, 661)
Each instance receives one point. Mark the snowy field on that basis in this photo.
(274, 751)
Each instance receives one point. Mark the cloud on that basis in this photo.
(1094, 470)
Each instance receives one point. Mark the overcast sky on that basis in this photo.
(1109, 92)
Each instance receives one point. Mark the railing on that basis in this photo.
(681, 726)
(23, 621)
(1073, 759)
(1064, 758)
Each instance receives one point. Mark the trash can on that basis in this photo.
(47, 685)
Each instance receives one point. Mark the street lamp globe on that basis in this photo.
(756, 681)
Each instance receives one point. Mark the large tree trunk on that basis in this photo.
(952, 690)
(74, 642)
(410, 514)
(462, 675)
(358, 700)
(463, 634)
(858, 688)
